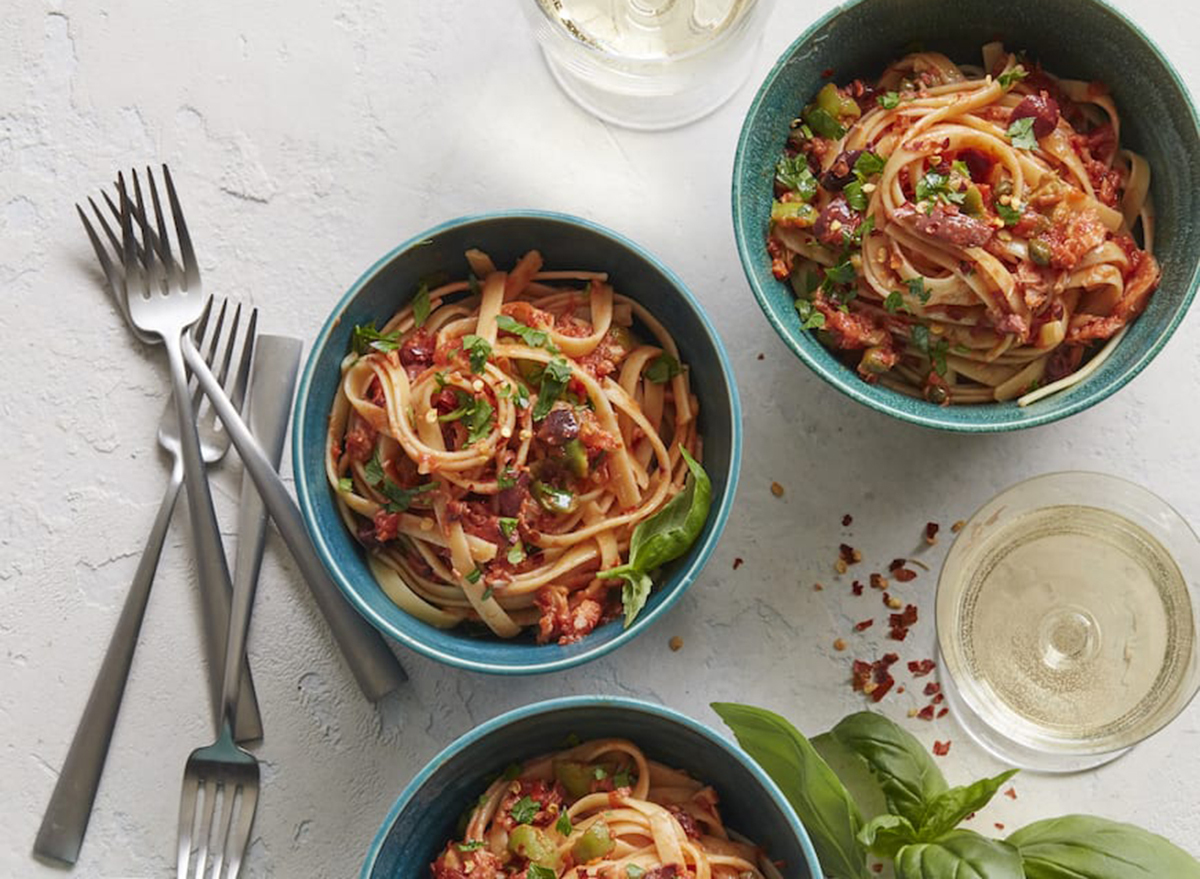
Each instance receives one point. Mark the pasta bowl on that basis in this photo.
(426, 814)
(860, 39)
(565, 243)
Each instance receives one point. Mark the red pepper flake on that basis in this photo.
(920, 668)
(878, 581)
(849, 554)
(903, 575)
(925, 713)
(864, 625)
(877, 868)
(762, 356)
(857, 587)
(900, 689)
(931, 530)
(738, 562)
(898, 633)
(827, 73)
(941, 749)
(999, 825)
(847, 520)
(943, 713)
(873, 678)
(932, 688)
(900, 622)
(958, 526)
(817, 587)
(897, 564)
(939, 699)
(1011, 793)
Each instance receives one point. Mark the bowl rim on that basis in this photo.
(549, 706)
(305, 492)
(859, 390)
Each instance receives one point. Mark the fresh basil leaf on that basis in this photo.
(793, 172)
(478, 350)
(663, 537)
(814, 791)
(854, 773)
(945, 811)
(884, 835)
(554, 380)
(421, 305)
(888, 100)
(366, 338)
(869, 164)
(1020, 133)
(1087, 847)
(662, 369)
(905, 771)
(962, 854)
(823, 123)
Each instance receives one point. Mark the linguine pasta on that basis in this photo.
(965, 235)
(497, 441)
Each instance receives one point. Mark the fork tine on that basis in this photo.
(116, 211)
(237, 394)
(240, 840)
(223, 372)
(101, 254)
(152, 274)
(221, 840)
(187, 819)
(164, 241)
(212, 791)
(135, 279)
(191, 269)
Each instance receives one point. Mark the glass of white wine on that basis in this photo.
(1067, 620)
(649, 64)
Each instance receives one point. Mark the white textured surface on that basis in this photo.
(308, 138)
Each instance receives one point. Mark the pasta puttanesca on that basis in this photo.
(496, 442)
(964, 234)
(599, 810)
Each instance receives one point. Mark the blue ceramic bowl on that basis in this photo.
(1080, 39)
(424, 818)
(565, 242)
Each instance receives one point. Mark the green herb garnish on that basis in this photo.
(1010, 215)
(400, 499)
(471, 845)
(478, 350)
(537, 871)
(793, 173)
(525, 810)
(367, 338)
(532, 337)
(563, 824)
(508, 526)
(916, 287)
(346, 483)
(810, 318)
(1020, 133)
(554, 380)
(935, 186)
(662, 369)
(888, 100)
(1010, 77)
(823, 123)
(421, 305)
(373, 471)
(894, 302)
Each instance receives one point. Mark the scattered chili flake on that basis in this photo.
(999, 825)
(926, 713)
(1011, 793)
(676, 643)
(864, 625)
(839, 645)
(762, 356)
(849, 554)
(776, 489)
(939, 699)
(900, 622)
(932, 688)
(878, 581)
(943, 713)
(738, 562)
(931, 530)
(877, 868)
(847, 520)
(900, 689)
(941, 749)
(874, 678)
(857, 587)
(903, 575)
(958, 526)
(897, 564)
(827, 73)
(920, 668)
(817, 587)
(840, 566)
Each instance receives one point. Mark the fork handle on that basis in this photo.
(66, 818)
(375, 667)
(211, 565)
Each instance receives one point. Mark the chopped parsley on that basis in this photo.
(869, 164)
(1007, 79)
(537, 871)
(935, 186)
(1006, 212)
(345, 484)
(373, 472)
(866, 166)
(839, 275)
(916, 286)
(793, 172)
(367, 338)
(563, 825)
(511, 772)
(471, 845)
(888, 100)
(662, 369)
(894, 302)
(1020, 133)
(517, 391)
(810, 318)
(554, 381)
(478, 350)
(525, 810)
(855, 197)
(400, 499)
(855, 239)
(532, 337)
(623, 779)
(506, 478)
(475, 412)
(421, 306)
(935, 351)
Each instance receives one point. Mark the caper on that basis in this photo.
(937, 394)
(875, 360)
(1039, 251)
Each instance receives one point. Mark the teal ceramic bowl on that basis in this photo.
(1080, 39)
(423, 819)
(565, 242)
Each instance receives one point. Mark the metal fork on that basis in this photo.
(164, 299)
(66, 818)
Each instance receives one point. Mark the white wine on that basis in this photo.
(645, 29)
(1071, 626)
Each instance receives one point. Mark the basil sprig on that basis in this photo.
(663, 537)
(867, 766)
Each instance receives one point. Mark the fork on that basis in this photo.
(165, 299)
(66, 817)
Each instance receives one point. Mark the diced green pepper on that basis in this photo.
(576, 458)
(594, 843)
(574, 776)
(973, 203)
(552, 498)
(836, 104)
(823, 123)
(793, 213)
(532, 844)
